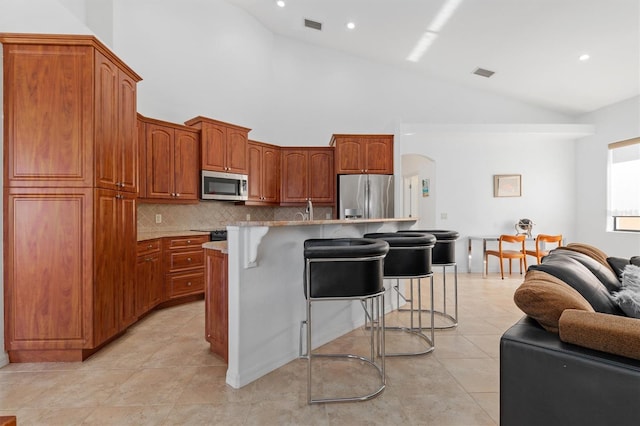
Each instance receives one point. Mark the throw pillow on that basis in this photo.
(544, 297)
(629, 297)
(635, 260)
(618, 264)
(604, 274)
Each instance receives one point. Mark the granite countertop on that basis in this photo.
(318, 222)
(216, 245)
(150, 235)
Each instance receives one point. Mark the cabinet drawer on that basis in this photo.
(148, 246)
(183, 284)
(181, 260)
(185, 242)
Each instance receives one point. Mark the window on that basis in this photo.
(624, 186)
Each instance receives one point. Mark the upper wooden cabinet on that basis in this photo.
(307, 173)
(169, 161)
(264, 173)
(116, 148)
(76, 120)
(223, 145)
(363, 154)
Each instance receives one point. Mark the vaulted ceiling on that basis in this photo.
(533, 46)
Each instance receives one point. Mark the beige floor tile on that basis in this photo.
(160, 372)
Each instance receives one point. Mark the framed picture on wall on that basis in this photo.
(507, 185)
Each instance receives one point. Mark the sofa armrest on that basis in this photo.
(603, 332)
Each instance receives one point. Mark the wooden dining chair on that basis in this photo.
(506, 250)
(541, 245)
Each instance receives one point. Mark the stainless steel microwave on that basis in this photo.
(224, 186)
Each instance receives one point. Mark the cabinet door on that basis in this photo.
(127, 255)
(213, 140)
(217, 303)
(128, 150)
(350, 155)
(148, 282)
(160, 162)
(255, 172)
(107, 285)
(49, 269)
(106, 124)
(48, 108)
(187, 170)
(322, 179)
(294, 188)
(270, 174)
(379, 155)
(236, 151)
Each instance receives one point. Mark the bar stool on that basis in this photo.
(346, 269)
(444, 255)
(409, 257)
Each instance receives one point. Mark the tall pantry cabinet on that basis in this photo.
(70, 184)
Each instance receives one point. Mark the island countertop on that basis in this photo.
(274, 223)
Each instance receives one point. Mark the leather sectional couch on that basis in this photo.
(574, 358)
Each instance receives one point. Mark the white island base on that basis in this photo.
(266, 296)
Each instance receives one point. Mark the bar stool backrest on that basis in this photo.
(344, 267)
(409, 253)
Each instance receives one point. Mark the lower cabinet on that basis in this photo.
(149, 284)
(216, 302)
(183, 265)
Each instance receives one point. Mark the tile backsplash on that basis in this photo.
(212, 215)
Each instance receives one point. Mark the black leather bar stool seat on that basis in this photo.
(346, 269)
(409, 257)
(444, 255)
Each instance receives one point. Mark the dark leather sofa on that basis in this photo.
(547, 381)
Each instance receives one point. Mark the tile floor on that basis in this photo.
(161, 373)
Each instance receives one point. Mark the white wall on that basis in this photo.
(616, 122)
(465, 164)
(210, 58)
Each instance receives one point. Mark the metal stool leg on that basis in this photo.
(452, 320)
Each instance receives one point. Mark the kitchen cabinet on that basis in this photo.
(115, 127)
(223, 145)
(70, 183)
(264, 174)
(114, 253)
(307, 173)
(363, 154)
(170, 166)
(216, 302)
(183, 266)
(149, 284)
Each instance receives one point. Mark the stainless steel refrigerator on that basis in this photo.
(365, 196)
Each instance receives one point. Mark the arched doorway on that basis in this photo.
(418, 189)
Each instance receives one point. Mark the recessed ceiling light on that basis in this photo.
(281, 3)
(584, 57)
(351, 25)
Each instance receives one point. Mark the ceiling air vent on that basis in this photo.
(483, 72)
(313, 24)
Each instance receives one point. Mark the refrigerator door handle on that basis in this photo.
(367, 199)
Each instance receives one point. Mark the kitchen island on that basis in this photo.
(265, 291)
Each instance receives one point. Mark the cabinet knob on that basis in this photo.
(150, 246)
(148, 259)
(188, 259)
(189, 284)
(177, 194)
(188, 241)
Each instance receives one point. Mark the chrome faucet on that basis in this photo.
(309, 209)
